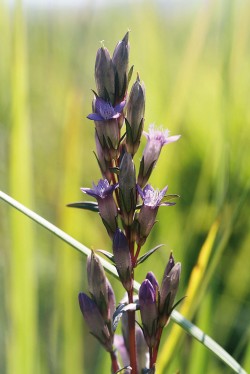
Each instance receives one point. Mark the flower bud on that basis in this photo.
(120, 61)
(127, 189)
(103, 164)
(104, 75)
(142, 353)
(168, 290)
(149, 311)
(98, 286)
(135, 116)
(151, 277)
(95, 321)
(122, 259)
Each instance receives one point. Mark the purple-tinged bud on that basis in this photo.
(98, 285)
(105, 75)
(156, 139)
(103, 164)
(168, 290)
(120, 61)
(108, 133)
(142, 353)
(127, 189)
(152, 200)
(151, 277)
(122, 349)
(103, 193)
(111, 301)
(122, 259)
(149, 311)
(135, 116)
(95, 321)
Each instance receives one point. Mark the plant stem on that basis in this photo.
(115, 366)
(131, 326)
(156, 349)
(136, 255)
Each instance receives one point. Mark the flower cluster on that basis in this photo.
(128, 206)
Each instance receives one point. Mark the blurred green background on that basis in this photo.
(194, 60)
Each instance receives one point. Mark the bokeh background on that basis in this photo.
(194, 59)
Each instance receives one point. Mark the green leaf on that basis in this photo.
(115, 170)
(130, 73)
(124, 368)
(120, 310)
(88, 205)
(109, 255)
(171, 197)
(149, 253)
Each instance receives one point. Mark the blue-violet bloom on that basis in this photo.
(156, 139)
(103, 192)
(105, 111)
(152, 200)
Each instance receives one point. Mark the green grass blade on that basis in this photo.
(193, 330)
(21, 288)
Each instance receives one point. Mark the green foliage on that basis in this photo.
(195, 65)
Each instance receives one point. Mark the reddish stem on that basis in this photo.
(115, 366)
(131, 326)
(136, 255)
(156, 348)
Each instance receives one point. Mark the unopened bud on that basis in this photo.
(135, 116)
(97, 283)
(127, 189)
(168, 290)
(120, 61)
(122, 259)
(95, 321)
(104, 75)
(149, 311)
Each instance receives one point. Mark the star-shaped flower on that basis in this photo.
(152, 200)
(103, 193)
(156, 139)
(105, 111)
(101, 190)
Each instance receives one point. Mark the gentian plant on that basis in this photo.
(128, 206)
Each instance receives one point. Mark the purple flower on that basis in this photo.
(156, 139)
(107, 207)
(95, 321)
(152, 200)
(105, 111)
(149, 311)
